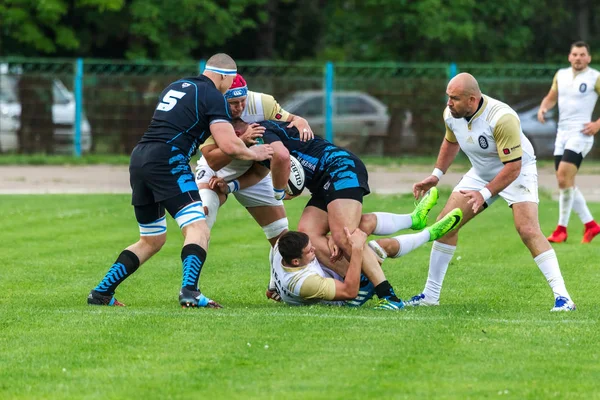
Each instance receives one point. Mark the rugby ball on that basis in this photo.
(295, 184)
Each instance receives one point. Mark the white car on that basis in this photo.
(63, 117)
(355, 114)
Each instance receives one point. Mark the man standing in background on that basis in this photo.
(576, 90)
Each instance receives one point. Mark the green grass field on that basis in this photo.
(492, 337)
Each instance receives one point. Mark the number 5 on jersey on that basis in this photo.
(170, 100)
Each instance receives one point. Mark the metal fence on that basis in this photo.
(104, 106)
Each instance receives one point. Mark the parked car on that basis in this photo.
(63, 117)
(541, 136)
(354, 113)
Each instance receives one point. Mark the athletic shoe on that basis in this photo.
(98, 299)
(590, 233)
(388, 304)
(365, 292)
(559, 235)
(419, 215)
(419, 300)
(273, 295)
(378, 250)
(563, 304)
(191, 298)
(445, 225)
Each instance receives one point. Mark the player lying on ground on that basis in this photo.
(302, 278)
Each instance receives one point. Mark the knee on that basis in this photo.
(154, 243)
(341, 240)
(527, 233)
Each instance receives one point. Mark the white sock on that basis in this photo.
(565, 204)
(580, 206)
(410, 242)
(388, 223)
(548, 264)
(441, 255)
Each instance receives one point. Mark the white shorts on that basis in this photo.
(258, 195)
(523, 189)
(577, 142)
(231, 171)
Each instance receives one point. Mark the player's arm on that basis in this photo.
(349, 288)
(214, 156)
(274, 112)
(448, 151)
(549, 101)
(233, 146)
(280, 165)
(591, 128)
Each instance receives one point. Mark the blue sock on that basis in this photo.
(127, 263)
(192, 258)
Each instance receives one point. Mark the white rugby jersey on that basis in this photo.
(577, 95)
(259, 107)
(492, 137)
(309, 284)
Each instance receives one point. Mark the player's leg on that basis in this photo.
(526, 221)
(401, 245)
(152, 224)
(384, 223)
(524, 205)
(187, 210)
(269, 213)
(153, 227)
(443, 248)
(211, 200)
(577, 149)
(346, 211)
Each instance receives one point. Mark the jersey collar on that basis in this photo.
(483, 105)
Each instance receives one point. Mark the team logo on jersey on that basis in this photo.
(278, 116)
(200, 174)
(483, 143)
(185, 84)
(582, 87)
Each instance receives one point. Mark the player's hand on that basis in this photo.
(475, 199)
(591, 128)
(301, 124)
(357, 239)
(218, 185)
(253, 131)
(335, 254)
(262, 152)
(540, 115)
(420, 188)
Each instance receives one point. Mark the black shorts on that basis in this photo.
(158, 172)
(345, 178)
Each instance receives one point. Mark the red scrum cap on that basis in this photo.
(238, 88)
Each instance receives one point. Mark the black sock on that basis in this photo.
(127, 263)
(192, 258)
(384, 289)
(364, 281)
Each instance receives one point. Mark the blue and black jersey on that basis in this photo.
(183, 116)
(325, 164)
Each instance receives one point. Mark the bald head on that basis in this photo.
(463, 95)
(466, 84)
(221, 69)
(222, 60)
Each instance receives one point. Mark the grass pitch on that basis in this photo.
(492, 337)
